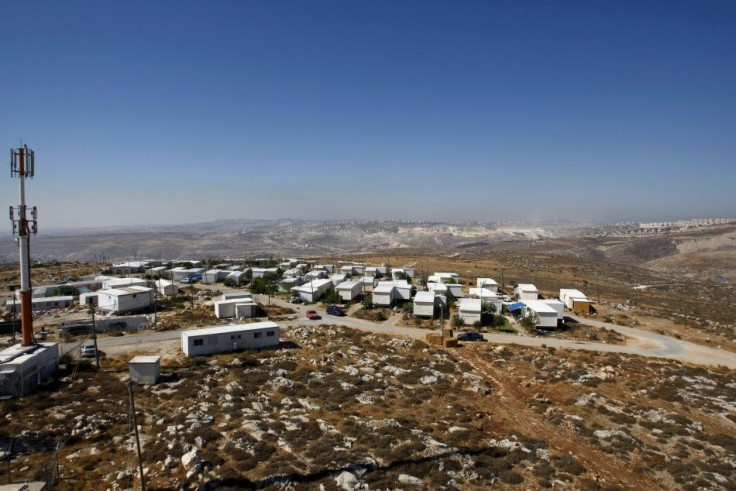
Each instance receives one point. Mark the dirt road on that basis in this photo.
(643, 343)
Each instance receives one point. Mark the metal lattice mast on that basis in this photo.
(22, 162)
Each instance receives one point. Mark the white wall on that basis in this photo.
(197, 344)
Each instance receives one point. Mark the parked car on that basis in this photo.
(88, 350)
(313, 315)
(335, 310)
(296, 299)
(470, 336)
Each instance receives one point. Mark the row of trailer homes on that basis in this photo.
(391, 286)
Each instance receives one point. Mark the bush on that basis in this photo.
(458, 321)
(368, 302)
(331, 296)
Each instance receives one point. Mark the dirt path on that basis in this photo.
(516, 412)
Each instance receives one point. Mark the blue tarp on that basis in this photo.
(515, 306)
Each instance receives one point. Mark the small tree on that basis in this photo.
(368, 302)
(331, 296)
(458, 321)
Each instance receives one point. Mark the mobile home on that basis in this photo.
(349, 290)
(526, 291)
(469, 309)
(546, 315)
(424, 304)
(123, 300)
(212, 340)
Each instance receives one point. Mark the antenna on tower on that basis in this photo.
(22, 165)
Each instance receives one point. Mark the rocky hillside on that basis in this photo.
(342, 409)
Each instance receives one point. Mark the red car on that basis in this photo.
(313, 315)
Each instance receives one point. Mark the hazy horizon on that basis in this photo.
(148, 115)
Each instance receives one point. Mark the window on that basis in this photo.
(235, 336)
(270, 333)
(198, 342)
(257, 335)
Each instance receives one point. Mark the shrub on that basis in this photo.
(510, 477)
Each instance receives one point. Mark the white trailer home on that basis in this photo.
(483, 293)
(286, 284)
(526, 291)
(236, 277)
(383, 293)
(156, 272)
(545, 315)
(261, 272)
(214, 275)
(438, 288)
(124, 300)
(293, 273)
(349, 290)
(367, 283)
(445, 278)
(288, 263)
(23, 368)
(558, 306)
(425, 304)
(316, 274)
(312, 291)
(166, 288)
(327, 268)
(234, 295)
(488, 283)
(575, 300)
(455, 289)
(212, 340)
(469, 309)
(123, 282)
(487, 297)
(180, 273)
(42, 304)
(130, 267)
(338, 278)
(240, 308)
(89, 298)
(403, 290)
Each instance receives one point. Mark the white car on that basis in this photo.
(88, 350)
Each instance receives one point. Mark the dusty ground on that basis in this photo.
(338, 406)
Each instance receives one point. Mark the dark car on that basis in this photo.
(470, 336)
(313, 315)
(335, 310)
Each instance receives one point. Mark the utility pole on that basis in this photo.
(137, 440)
(94, 329)
(22, 163)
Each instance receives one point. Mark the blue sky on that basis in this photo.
(175, 112)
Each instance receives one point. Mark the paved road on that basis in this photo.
(642, 342)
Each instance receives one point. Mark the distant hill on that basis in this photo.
(703, 251)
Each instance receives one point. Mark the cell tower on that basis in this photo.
(22, 166)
